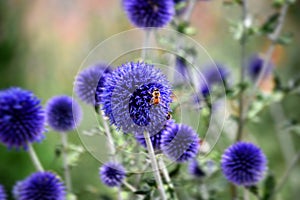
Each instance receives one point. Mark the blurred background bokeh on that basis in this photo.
(42, 46)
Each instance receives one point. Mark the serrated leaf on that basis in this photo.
(269, 186)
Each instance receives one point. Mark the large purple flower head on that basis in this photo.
(180, 142)
(40, 186)
(150, 13)
(87, 81)
(195, 169)
(243, 163)
(112, 174)
(2, 193)
(213, 75)
(155, 138)
(22, 118)
(63, 113)
(255, 66)
(136, 98)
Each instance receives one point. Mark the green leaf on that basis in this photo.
(270, 24)
(74, 152)
(285, 39)
(71, 196)
(253, 189)
(175, 171)
(142, 192)
(269, 186)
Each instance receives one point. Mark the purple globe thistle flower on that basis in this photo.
(151, 13)
(195, 169)
(63, 113)
(17, 189)
(128, 98)
(2, 193)
(22, 118)
(41, 185)
(155, 138)
(243, 163)
(112, 174)
(255, 65)
(180, 142)
(87, 80)
(213, 75)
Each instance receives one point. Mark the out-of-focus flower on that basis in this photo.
(151, 13)
(112, 174)
(41, 185)
(63, 113)
(136, 98)
(183, 74)
(90, 79)
(2, 193)
(180, 142)
(22, 118)
(243, 163)
(195, 169)
(255, 66)
(180, 6)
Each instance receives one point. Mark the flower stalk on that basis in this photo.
(64, 141)
(35, 160)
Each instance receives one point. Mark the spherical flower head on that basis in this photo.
(63, 113)
(255, 66)
(2, 193)
(180, 142)
(243, 163)
(195, 169)
(22, 118)
(151, 13)
(41, 185)
(213, 75)
(155, 138)
(87, 80)
(112, 174)
(129, 101)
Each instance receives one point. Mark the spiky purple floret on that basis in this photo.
(22, 118)
(127, 94)
(112, 174)
(63, 113)
(255, 65)
(180, 142)
(151, 13)
(3, 195)
(195, 169)
(88, 79)
(40, 186)
(244, 163)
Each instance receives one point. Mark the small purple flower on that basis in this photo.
(180, 142)
(195, 169)
(255, 65)
(63, 113)
(150, 13)
(112, 174)
(40, 186)
(212, 75)
(244, 164)
(2, 193)
(87, 81)
(22, 118)
(127, 98)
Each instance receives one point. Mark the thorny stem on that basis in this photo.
(166, 175)
(110, 142)
(155, 166)
(35, 160)
(64, 140)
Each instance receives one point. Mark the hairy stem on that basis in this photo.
(110, 142)
(155, 166)
(35, 160)
(64, 141)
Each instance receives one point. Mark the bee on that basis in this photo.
(169, 116)
(155, 97)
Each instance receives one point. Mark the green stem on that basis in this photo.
(155, 166)
(64, 141)
(146, 43)
(110, 142)
(35, 160)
